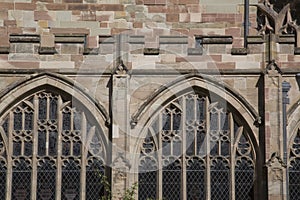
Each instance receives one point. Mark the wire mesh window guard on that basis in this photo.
(46, 134)
(204, 153)
(294, 169)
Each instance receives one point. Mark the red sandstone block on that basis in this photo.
(103, 24)
(3, 30)
(235, 32)
(72, 1)
(149, 2)
(70, 31)
(221, 65)
(160, 2)
(115, 31)
(157, 9)
(3, 14)
(4, 41)
(139, 2)
(78, 6)
(179, 31)
(45, 1)
(76, 58)
(172, 17)
(56, 6)
(176, 9)
(41, 15)
(137, 24)
(25, 64)
(107, 7)
(14, 30)
(6, 6)
(92, 41)
(10, 22)
(188, 1)
(25, 6)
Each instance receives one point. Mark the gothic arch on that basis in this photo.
(204, 84)
(215, 95)
(68, 86)
(51, 130)
(293, 131)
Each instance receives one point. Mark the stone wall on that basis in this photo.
(122, 52)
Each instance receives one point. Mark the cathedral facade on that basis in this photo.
(168, 99)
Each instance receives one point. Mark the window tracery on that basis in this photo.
(294, 168)
(56, 150)
(195, 149)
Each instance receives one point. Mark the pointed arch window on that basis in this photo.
(50, 149)
(294, 168)
(196, 149)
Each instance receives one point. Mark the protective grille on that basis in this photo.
(171, 182)
(21, 184)
(70, 181)
(244, 175)
(2, 181)
(294, 179)
(46, 174)
(94, 174)
(219, 180)
(195, 180)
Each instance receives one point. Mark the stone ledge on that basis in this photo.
(239, 51)
(24, 38)
(151, 51)
(47, 50)
(139, 39)
(173, 40)
(91, 51)
(257, 39)
(214, 39)
(286, 39)
(297, 51)
(4, 50)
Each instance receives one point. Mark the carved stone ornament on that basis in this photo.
(121, 166)
(121, 69)
(279, 17)
(273, 69)
(276, 166)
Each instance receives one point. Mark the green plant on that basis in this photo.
(127, 195)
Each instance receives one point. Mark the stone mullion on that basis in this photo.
(207, 117)
(160, 178)
(183, 140)
(35, 148)
(84, 151)
(232, 157)
(59, 148)
(9, 180)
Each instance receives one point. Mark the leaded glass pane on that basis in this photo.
(49, 109)
(42, 107)
(294, 179)
(244, 179)
(70, 186)
(21, 180)
(94, 174)
(147, 178)
(3, 172)
(220, 179)
(46, 180)
(171, 175)
(203, 121)
(195, 179)
(42, 143)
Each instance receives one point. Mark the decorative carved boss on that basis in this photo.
(279, 17)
